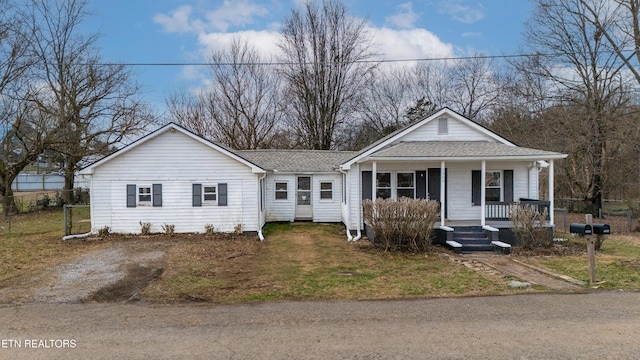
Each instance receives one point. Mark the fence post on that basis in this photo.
(628, 211)
(64, 216)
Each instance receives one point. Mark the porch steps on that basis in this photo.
(471, 238)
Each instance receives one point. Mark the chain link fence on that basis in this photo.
(35, 201)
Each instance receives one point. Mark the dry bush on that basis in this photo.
(403, 225)
(529, 226)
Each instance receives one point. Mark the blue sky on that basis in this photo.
(185, 31)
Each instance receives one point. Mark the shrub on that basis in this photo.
(104, 231)
(403, 225)
(209, 229)
(237, 230)
(528, 226)
(145, 228)
(169, 229)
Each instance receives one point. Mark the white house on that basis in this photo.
(173, 176)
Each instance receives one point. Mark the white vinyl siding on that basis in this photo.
(176, 161)
(326, 210)
(279, 209)
(456, 131)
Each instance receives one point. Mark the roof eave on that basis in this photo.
(463, 158)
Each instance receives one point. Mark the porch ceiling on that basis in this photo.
(461, 150)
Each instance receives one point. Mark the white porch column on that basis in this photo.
(373, 181)
(442, 193)
(551, 195)
(483, 190)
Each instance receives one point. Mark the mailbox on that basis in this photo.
(601, 229)
(581, 229)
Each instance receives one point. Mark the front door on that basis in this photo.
(434, 186)
(304, 210)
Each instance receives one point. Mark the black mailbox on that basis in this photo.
(582, 229)
(601, 229)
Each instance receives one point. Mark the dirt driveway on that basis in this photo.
(115, 273)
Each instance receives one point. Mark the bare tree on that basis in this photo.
(476, 86)
(588, 86)
(618, 21)
(96, 104)
(325, 56)
(23, 133)
(242, 108)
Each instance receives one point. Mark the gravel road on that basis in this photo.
(597, 325)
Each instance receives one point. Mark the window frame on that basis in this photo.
(412, 187)
(206, 201)
(149, 194)
(384, 188)
(499, 186)
(329, 199)
(284, 191)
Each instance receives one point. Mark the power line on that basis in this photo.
(281, 63)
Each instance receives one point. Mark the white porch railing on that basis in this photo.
(501, 210)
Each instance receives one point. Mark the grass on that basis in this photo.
(33, 241)
(313, 262)
(296, 262)
(617, 263)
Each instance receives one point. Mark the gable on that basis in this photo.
(427, 129)
(169, 149)
(455, 130)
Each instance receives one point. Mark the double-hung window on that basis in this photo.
(281, 190)
(209, 194)
(405, 185)
(383, 185)
(492, 186)
(144, 195)
(326, 190)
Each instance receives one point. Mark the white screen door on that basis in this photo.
(304, 210)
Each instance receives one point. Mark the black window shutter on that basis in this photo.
(476, 191)
(222, 194)
(131, 195)
(157, 195)
(366, 185)
(508, 185)
(197, 194)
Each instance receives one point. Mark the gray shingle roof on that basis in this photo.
(461, 149)
(297, 160)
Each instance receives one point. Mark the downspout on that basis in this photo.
(358, 233)
(348, 194)
(260, 201)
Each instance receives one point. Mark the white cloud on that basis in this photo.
(177, 21)
(405, 18)
(462, 13)
(410, 44)
(229, 14)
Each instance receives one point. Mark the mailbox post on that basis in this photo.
(591, 252)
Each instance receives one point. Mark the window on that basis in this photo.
(383, 185)
(326, 190)
(405, 185)
(144, 195)
(492, 186)
(443, 126)
(281, 191)
(209, 194)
